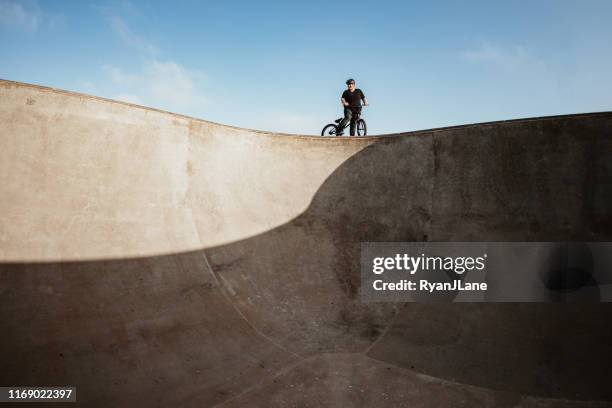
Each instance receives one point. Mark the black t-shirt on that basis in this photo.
(353, 98)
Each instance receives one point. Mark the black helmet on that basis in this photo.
(350, 81)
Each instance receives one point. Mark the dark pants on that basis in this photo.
(351, 114)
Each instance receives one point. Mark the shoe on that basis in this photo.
(340, 134)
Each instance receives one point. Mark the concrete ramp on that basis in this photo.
(152, 259)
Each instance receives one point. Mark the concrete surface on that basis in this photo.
(153, 259)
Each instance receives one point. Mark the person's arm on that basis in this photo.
(363, 98)
(342, 100)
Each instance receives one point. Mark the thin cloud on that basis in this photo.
(509, 58)
(23, 15)
(119, 77)
(172, 82)
(121, 29)
(162, 84)
(158, 83)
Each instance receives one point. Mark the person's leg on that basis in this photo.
(354, 117)
(348, 115)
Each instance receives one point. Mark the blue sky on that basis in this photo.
(281, 65)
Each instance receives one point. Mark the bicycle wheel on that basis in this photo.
(329, 130)
(362, 128)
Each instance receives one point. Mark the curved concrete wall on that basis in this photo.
(87, 178)
(142, 251)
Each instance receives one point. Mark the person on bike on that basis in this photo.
(351, 101)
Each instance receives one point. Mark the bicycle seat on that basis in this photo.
(338, 120)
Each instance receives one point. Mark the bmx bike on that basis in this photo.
(332, 129)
